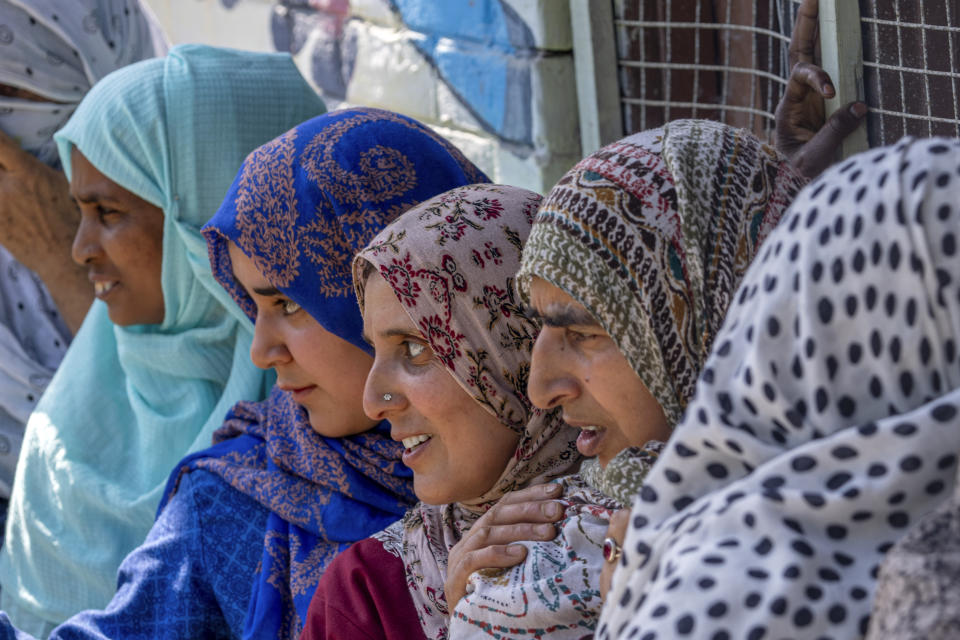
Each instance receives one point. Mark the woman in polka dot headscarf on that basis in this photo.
(823, 425)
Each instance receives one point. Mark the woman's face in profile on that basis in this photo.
(323, 372)
(120, 242)
(456, 448)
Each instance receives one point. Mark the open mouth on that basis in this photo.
(590, 439)
(414, 441)
(101, 289)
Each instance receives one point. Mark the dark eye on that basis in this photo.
(577, 336)
(104, 213)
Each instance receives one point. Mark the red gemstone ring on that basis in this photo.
(611, 550)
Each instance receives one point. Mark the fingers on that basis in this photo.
(530, 505)
(617, 528)
(537, 492)
(803, 40)
(462, 565)
(820, 151)
(492, 557)
(487, 536)
(525, 512)
(805, 77)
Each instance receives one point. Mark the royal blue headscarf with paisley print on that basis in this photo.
(300, 208)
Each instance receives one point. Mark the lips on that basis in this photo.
(298, 392)
(413, 447)
(590, 440)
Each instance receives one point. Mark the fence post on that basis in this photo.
(595, 65)
(841, 52)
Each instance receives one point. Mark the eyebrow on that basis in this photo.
(260, 291)
(266, 291)
(391, 333)
(93, 197)
(565, 316)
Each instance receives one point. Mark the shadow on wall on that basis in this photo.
(479, 49)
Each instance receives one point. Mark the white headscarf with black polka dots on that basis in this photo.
(57, 50)
(825, 422)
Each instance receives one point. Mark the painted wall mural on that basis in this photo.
(495, 76)
(480, 49)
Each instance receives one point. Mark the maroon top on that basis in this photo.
(363, 594)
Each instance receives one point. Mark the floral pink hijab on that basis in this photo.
(451, 261)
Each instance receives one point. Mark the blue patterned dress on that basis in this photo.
(191, 578)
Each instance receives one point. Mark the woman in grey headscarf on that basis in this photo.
(51, 54)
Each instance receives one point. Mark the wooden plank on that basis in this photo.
(595, 65)
(841, 52)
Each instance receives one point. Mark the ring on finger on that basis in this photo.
(611, 550)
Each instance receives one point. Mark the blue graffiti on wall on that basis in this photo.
(481, 49)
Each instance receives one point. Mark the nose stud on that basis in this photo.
(387, 397)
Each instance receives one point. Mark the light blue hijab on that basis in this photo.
(128, 403)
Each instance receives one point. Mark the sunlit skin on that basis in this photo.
(578, 366)
(120, 242)
(324, 372)
(468, 448)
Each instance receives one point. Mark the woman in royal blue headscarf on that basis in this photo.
(247, 526)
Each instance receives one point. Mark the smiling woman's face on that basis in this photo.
(120, 241)
(456, 449)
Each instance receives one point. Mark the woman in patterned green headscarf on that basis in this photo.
(632, 262)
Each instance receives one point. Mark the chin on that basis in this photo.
(122, 319)
(430, 492)
(314, 421)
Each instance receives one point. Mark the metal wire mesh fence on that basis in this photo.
(911, 60)
(727, 60)
(718, 59)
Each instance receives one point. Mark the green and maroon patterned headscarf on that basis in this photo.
(652, 234)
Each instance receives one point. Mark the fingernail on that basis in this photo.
(515, 550)
(552, 509)
(545, 529)
(551, 489)
(858, 109)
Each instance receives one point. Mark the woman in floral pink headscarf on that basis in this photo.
(450, 373)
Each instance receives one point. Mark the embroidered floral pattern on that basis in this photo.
(267, 210)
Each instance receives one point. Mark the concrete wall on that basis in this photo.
(494, 76)
(241, 24)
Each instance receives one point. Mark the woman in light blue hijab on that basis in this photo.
(129, 401)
